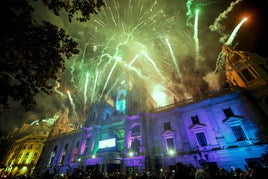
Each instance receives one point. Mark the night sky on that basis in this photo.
(110, 35)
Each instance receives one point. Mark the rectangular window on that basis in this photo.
(201, 138)
(106, 116)
(94, 116)
(66, 147)
(247, 74)
(170, 143)
(238, 133)
(63, 155)
(77, 144)
(167, 126)
(228, 112)
(31, 146)
(74, 155)
(253, 72)
(55, 148)
(195, 119)
(52, 155)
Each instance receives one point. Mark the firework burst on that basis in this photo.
(138, 38)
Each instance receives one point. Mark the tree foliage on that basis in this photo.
(32, 53)
(81, 8)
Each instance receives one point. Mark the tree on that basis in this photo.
(32, 53)
(81, 8)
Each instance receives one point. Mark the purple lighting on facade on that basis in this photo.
(93, 161)
(137, 161)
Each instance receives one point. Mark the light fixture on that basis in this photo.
(130, 153)
(171, 152)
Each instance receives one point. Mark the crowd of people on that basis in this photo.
(180, 171)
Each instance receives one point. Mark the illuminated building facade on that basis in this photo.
(223, 129)
(248, 71)
(24, 152)
(227, 128)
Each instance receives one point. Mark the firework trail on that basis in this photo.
(233, 34)
(173, 58)
(85, 92)
(133, 60)
(72, 104)
(137, 71)
(196, 40)
(154, 65)
(113, 86)
(217, 26)
(109, 76)
(94, 86)
(83, 56)
(221, 57)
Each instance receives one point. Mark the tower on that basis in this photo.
(121, 94)
(249, 71)
(132, 96)
(245, 69)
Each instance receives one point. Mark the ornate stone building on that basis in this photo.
(227, 128)
(24, 151)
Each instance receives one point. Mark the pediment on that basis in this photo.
(233, 120)
(168, 133)
(197, 126)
